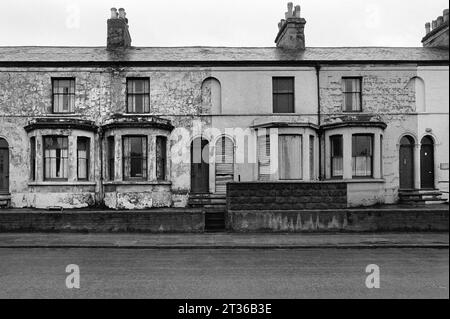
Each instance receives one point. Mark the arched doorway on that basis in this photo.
(199, 166)
(406, 162)
(427, 163)
(4, 166)
(224, 161)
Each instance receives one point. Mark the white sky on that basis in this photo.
(217, 22)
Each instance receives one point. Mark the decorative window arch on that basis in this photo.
(212, 95)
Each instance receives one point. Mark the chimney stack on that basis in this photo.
(437, 33)
(118, 35)
(291, 34)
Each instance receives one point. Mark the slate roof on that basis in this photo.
(19, 54)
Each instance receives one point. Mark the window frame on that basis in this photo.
(111, 157)
(33, 151)
(360, 79)
(144, 157)
(87, 159)
(44, 137)
(274, 78)
(341, 137)
(372, 139)
(72, 95)
(163, 158)
(127, 94)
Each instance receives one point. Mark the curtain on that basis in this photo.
(290, 156)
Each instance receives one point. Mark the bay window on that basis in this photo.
(161, 158)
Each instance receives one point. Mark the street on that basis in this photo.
(224, 273)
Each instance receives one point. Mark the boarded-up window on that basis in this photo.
(138, 95)
(264, 157)
(55, 157)
(224, 163)
(290, 156)
(351, 87)
(63, 92)
(161, 158)
(135, 157)
(337, 167)
(362, 153)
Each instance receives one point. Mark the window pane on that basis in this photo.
(138, 98)
(290, 156)
(83, 158)
(55, 157)
(135, 157)
(283, 95)
(33, 158)
(111, 154)
(161, 148)
(362, 155)
(336, 156)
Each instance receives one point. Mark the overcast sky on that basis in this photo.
(217, 22)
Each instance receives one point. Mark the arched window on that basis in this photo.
(418, 85)
(212, 96)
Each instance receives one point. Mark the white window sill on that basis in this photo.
(137, 183)
(62, 183)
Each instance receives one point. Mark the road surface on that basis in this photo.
(224, 273)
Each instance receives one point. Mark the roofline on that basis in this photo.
(215, 63)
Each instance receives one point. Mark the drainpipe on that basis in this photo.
(317, 66)
(101, 188)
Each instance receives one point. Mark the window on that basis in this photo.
(55, 157)
(138, 95)
(337, 168)
(311, 157)
(83, 144)
(283, 94)
(351, 87)
(264, 157)
(161, 161)
(362, 155)
(111, 153)
(135, 157)
(63, 94)
(290, 156)
(33, 158)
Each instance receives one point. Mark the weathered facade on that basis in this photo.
(133, 128)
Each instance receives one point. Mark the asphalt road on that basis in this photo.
(221, 273)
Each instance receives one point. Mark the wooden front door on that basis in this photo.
(407, 163)
(199, 166)
(224, 164)
(4, 167)
(427, 163)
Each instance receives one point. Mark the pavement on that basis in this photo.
(224, 240)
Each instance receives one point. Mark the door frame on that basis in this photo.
(4, 145)
(410, 146)
(204, 143)
(431, 146)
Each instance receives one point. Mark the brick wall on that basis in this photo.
(286, 195)
(166, 220)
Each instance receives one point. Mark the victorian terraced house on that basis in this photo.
(139, 127)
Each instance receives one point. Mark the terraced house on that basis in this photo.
(285, 127)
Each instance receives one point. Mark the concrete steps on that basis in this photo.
(421, 197)
(215, 209)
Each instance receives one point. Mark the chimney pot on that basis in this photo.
(445, 14)
(433, 24)
(113, 13)
(290, 5)
(440, 20)
(122, 13)
(427, 27)
(297, 12)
